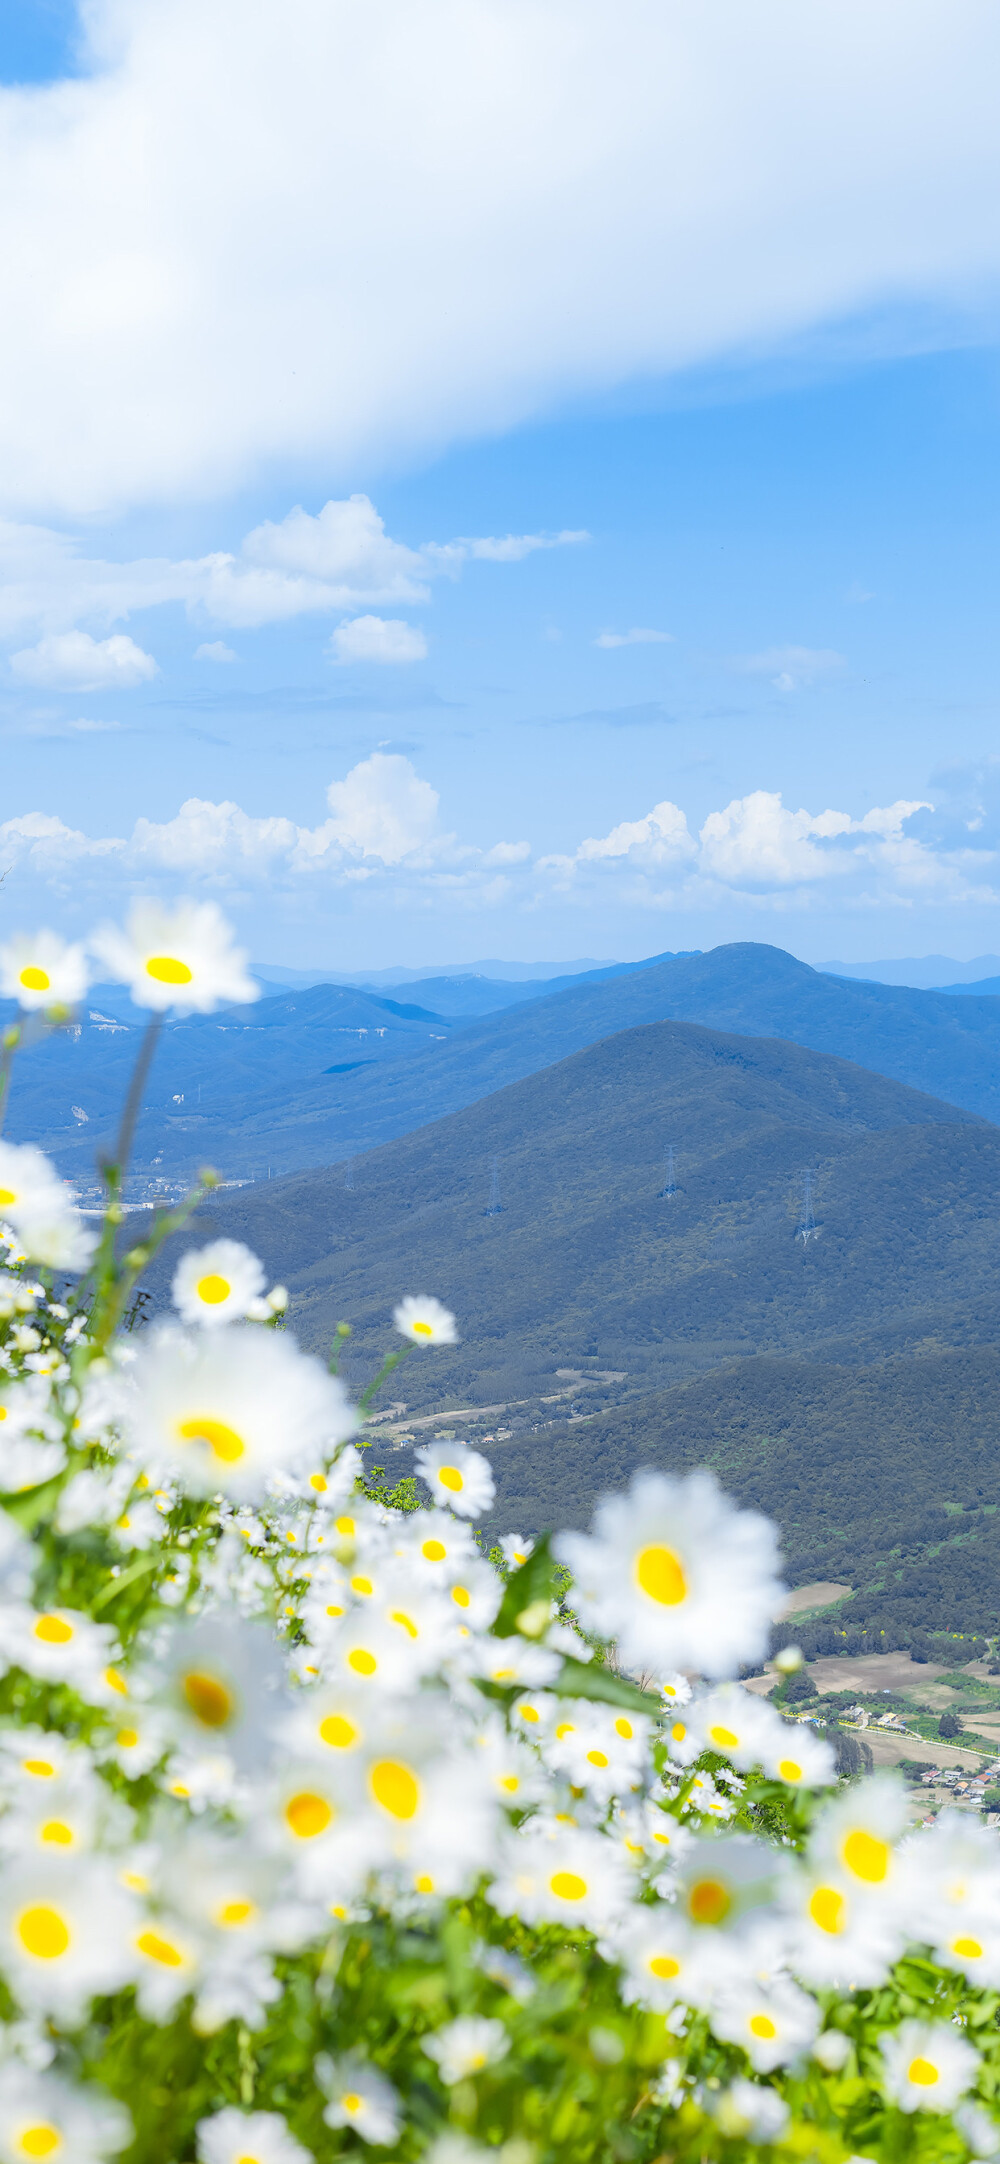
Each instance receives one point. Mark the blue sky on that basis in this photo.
(735, 677)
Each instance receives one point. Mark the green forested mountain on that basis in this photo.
(846, 1379)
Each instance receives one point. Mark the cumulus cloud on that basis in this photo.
(214, 650)
(73, 661)
(383, 835)
(588, 195)
(341, 558)
(790, 668)
(378, 638)
(634, 637)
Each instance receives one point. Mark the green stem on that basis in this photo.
(133, 1102)
(392, 1360)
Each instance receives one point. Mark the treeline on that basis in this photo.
(882, 1635)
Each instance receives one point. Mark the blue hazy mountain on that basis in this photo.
(292, 1082)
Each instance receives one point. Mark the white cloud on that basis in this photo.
(634, 637)
(340, 559)
(790, 668)
(378, 638)
(544, 200)
(383, 837)
(383, 809)
(73, 661)
(215, 650)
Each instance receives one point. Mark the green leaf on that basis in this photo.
(581, 1679)
(535, 1580)
(29, 1507)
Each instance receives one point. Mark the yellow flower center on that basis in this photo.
(318, 1481)
(434, 1551)
(395, 1788)
(597, 1758)
(363, 1664)
(969, 1949)
(7, 1195)
(659, 1574)
(34, 979)
(58, 1833)
(308, 1815)
(406, 1622)
(345, 1527)
(213, 1289)
(664, 1966)
(338, 1732)
(361, 1585)
(510, 1782)
(725, 1738)
(422, 1329)
(127, 1738)
(624, 1729)
(222, 1441)
(40, 1767)
(53, 1631)
(709, 1901)
(351, 2102)
(43, 1933)
(207, 1699)
(922, 2073)
(678, 1732)
(461, 1596)
(828, 1909)
(166, 969)
(528, 1713)
(866, 1856)
(40, 2140)
(761, 2025)
(789, 1769)
(424, 1884)
(233, 1913)
(161, 1950)
(451, 1478)
(567, 1886)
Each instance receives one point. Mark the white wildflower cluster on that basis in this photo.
(325, 1823)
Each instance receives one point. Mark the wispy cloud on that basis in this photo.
(635, 637)
(791, 668)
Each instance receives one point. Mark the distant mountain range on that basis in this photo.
(847, 1381)
(315, 1076)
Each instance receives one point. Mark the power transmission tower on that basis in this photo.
(669, 1188)
(494, 1205)
(349, 1173)
(808, 1228)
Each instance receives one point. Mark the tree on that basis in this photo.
(949, 1725)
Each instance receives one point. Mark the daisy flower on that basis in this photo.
(513, 1660)
(457, 1477)
(65, 1934)
(42, 2116)
(772, 2022)
(951, 1874)
(360, 2097)
(928, 2066)
(226, 1409)
(59, 1238)
(166, 1959)
(855, 1836)
(58, 1645)
(30, 1189)
(425, 1321)
(516, 1772)
(561, 1875)
(466, 2046)
(661, 1958)
(183, 958)
(676, 1575)
(839, 1936)
(248, 2137)
(218, 1283)
(675, 1690)
(599, 1749)
(38, 969)
(218, 1681)
(793, 1754)
(515, 1550)
(750, 2112)
(723, 1880)
(731, 1721)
